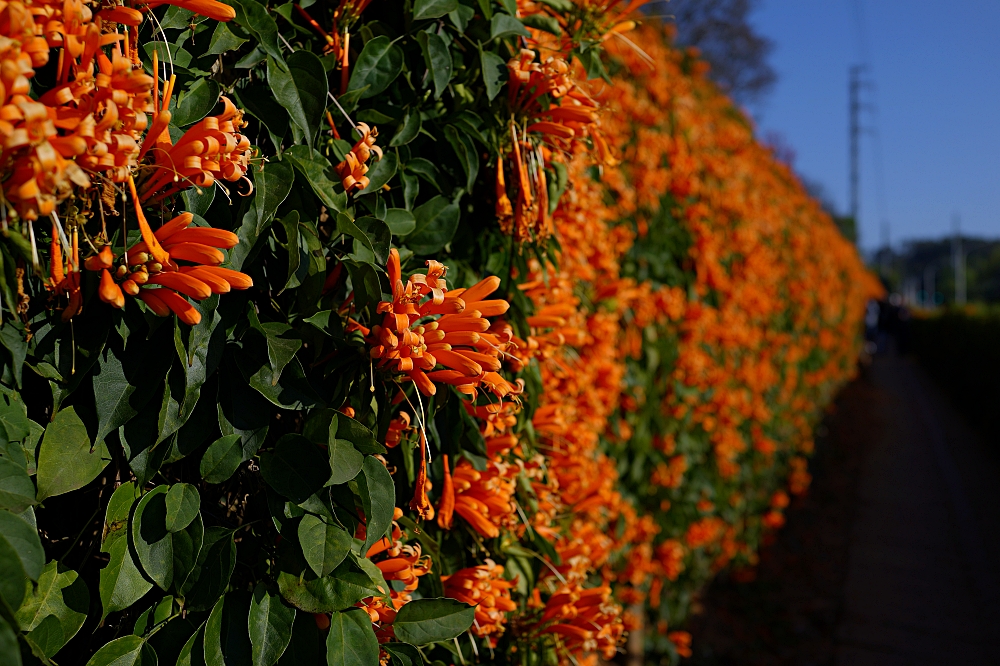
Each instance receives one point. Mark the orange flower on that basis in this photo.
(484, 499)
(484, 587)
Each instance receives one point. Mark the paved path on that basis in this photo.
(923, 575)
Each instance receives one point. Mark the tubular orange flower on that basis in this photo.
(446, 508)
(420, 503)
(484, 587)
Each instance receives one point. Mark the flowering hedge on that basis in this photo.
(431, 331)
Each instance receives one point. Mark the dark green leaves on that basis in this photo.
(425, 621)
(164, 555)
(65, 460)
(371, 237)
(270, 626)
(494, 72)
(378, 498)
(17, 492)
(378, 65)
(54, 611)
(339, 591)
(436, 223)
(324, 545)
(345, 461)
(223, 39)
(183, 504)
(351, 641)
(296, 468)
(505, 25)
(437, 58)
(122, 584)
(221, 459)
(400, 221)
(196, 103)
(317, 171)
(430, 9)
(124, 651)
(301, 88)
(21, 558)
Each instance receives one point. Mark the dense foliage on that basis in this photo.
(431, 330)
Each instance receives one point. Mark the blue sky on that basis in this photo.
(936, 70)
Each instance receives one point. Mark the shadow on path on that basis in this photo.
(892, 558)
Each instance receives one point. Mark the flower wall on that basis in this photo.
(432, 330)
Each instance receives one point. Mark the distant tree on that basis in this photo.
(721, 29)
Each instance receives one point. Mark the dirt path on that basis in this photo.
(894, 555)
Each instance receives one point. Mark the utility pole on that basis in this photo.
(958, 259)
(854, 107)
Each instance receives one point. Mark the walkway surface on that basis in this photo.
(924, 553)
(891, 559)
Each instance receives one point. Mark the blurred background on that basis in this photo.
(887, 111)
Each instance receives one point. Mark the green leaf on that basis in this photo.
(271, 188)
(437, 59)
(495, 72)
(408, 131)
(378, 65)
(10, 651)
(125, 651)
(223, 39)
(210, 576)
(17, 492)
(403, 654)
(270, 626)
(431, 9)
(301, 88)
(324, 546)
(296, 468)
(14, 418)
(339, 591)
(351, 641)
(195, 202)
(380, 173)
(345, 461)
(164, 555)
(183, 504)
(317, 171)
(127, 379)
(505, 25)
(355, 432)
(12, 337)
(193, 651)
(465, 150)
(122, 584)
(543, 22)
(254, 17)
(378, 498)
(197, 102)
(365, 282)
(400, 221)
(221, 459)
(424, 621)
(22, 540)
(436, 223)
(65, 459)
(282, 340)
(168, 52)
(53, 612)
(370, 234)
(227, 641)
